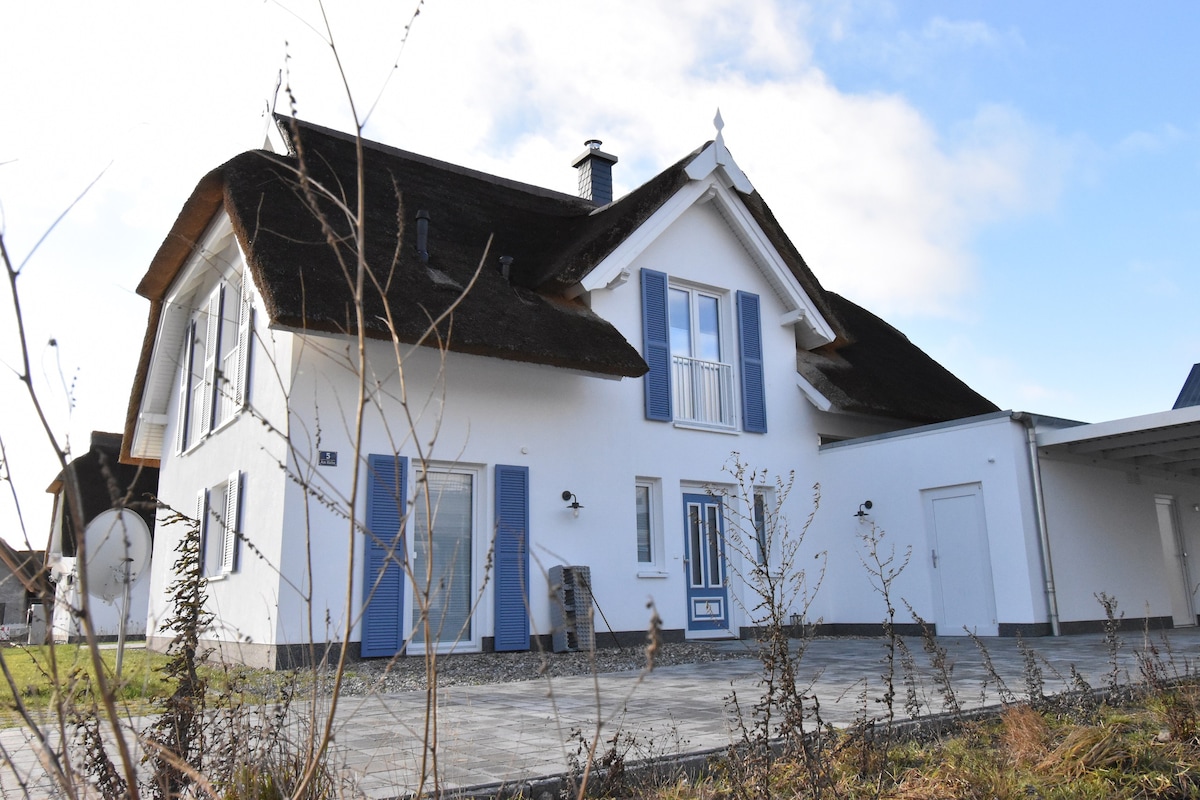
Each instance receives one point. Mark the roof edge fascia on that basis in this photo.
(819, 400)
(1116, 427)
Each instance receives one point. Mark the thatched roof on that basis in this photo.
(285, 212)
(285, 219)
(879, 372)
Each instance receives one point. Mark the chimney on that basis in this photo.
(595, 173)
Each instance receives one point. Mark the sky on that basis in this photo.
(1013, 185)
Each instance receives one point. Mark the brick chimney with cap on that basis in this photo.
(595, 173)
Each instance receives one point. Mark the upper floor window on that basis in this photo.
(696, 376)
(214, 368)
(702, 388)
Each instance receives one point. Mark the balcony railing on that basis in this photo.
(702, 392)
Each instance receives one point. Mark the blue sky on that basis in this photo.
(1011, 184)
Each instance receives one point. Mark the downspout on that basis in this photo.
(1035, 471)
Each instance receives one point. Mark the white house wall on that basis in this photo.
(1105, 538)
(575, 432)
(892, 473)
(254, 441)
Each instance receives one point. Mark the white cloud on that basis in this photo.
(1153, 141)
(970, 34)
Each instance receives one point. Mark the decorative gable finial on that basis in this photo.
(719, 124)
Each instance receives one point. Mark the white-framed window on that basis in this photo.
(444, 512)
(649, 526)
(645, 530)
(219, 510)
(215, 362)
(702, 374)
(689, 345)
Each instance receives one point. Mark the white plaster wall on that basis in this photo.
(245, 603)
(892, 473)
(575, 432)
(1104, 538)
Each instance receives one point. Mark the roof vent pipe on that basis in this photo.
(423, 236)
(595, 173)
(505, 266)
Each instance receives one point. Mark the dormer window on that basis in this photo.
(695, 372)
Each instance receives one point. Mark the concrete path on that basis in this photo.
(511, 733)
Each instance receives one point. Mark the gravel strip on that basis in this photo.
(406, 674)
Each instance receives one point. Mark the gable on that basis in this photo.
(716, 195)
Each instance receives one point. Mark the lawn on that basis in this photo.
(46, 674)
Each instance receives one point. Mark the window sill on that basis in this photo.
(697, 426)
(225, 423)
(652, 573)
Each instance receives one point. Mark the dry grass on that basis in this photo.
(1088, 748)
(1024, 734)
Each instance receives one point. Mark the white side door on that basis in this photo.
(963, 591)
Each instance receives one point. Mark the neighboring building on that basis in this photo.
(104, 483)
(22, 582)
(1189, 395)
(578, 405)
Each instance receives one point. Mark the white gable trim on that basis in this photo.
(712, 187)
(716, 158)
(819, 400)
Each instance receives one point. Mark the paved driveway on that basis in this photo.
(509, 733)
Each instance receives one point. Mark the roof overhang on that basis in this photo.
(1166, 443)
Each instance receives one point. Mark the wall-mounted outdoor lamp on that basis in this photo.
(863, 508)
(574, 503)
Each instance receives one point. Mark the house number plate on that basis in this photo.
(327, 458)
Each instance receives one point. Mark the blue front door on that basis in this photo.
(704, 554)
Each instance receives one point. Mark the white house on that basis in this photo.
(546, 380)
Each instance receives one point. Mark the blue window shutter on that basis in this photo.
(656, 340)
(512, 558)
(385, 550)
(750, 356)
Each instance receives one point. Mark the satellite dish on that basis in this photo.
(117, 548)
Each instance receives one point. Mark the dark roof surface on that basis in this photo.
(881, 373)
(305, 283)
(1189, 395)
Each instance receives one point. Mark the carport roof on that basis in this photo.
(1164, 443)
